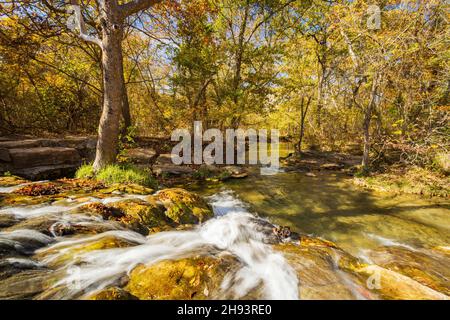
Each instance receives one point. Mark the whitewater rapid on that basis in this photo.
(232, 231)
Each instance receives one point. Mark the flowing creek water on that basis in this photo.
(331, 207)
(326, 206)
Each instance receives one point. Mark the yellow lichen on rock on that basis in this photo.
(142, 215)
(129, 188)
(184, 207)
(185, 279)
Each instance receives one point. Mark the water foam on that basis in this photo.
(233, 230)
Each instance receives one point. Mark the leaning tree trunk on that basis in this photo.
(108, 132)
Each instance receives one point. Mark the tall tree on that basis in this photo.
(102, 23)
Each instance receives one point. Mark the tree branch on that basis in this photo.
(135, 6)
(78, 24)
(53, 8)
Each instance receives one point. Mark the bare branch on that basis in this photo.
(350, 49)
(76, 22)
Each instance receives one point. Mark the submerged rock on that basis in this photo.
(316, 265)
(7, 220)
(393, 285)
(62, 253)
(190, 278)
(52, 225)
(26, 284)
(40, 224)
(21, 242)
(14, 265)
(431, 270)
(184, 207)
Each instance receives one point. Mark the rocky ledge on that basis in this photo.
(39, 159)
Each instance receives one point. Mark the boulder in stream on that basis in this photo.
(184, 207)
(185, 279)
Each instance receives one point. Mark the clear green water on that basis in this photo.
(331, 207)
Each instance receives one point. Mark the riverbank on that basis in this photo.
(410, 180)
(394, 179)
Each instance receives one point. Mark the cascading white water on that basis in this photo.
(61, 206)
(233, 230)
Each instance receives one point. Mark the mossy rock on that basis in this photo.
(127, 189)
(13, 199)
(141, 215)
(191, 278)
(106, 212)
(11, 181)
(184, 207)
(113, 293)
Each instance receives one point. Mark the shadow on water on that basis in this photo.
(330, 206)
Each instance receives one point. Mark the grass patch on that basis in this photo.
(86, 171)
(118, 174)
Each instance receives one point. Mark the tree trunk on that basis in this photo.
(319, 100)
(112, 61)
(126, 108)
(366, 128)
(303, 112)
(302, 132)
(366, 125)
